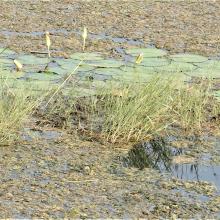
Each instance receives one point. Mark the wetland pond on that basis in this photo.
(158, 155)
(52, 174)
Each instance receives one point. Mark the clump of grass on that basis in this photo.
(190, 104)
(137, 110)
(15, 108)
(134, 111)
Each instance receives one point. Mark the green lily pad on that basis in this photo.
(11, 74)
(56, 70)
(42, 76)
(87, 56)
(106, 63)
(138, 69)
(133, 77)
(72, 64)
(212, 64)
(136, 74)
(32, 60)
(205, 72)
(152, 62)
(93, 76)
(146, 73)
(6, 61)
(67, 62)
(188, 58)
(108, 71)
(31, 85)
(86, 68)
(176, 67)
(33, 68)
(147, 52)
(6, 52)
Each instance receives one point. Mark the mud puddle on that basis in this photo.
(198, 172)
(158, 154)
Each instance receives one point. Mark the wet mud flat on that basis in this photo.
(54, 174)
(57, 175)
(178, 26)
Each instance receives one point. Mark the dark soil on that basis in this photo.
(57, 175)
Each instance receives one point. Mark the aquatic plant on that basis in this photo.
(19, 66)
(16, 105)
(48, 42)
(84, 36)
(125, 112)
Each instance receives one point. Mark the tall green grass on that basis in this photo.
(134, 111)
(16, 105)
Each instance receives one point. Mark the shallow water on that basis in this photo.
(66, 32)
(158, 155)
(198, 172)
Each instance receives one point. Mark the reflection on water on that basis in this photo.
(153, 154)
(198, 172)
(158, 154)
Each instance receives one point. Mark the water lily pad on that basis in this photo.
(152, 62)
(42, 76)
(6, 61)
(71, 64)
(188, 58)
(56, 70)
(86, 56)
(86, 68)
(91, 76)
(147, 52)
(176, 67)
(11, 74)
(108, 71)
(32, 60)
(133, 77)
(107, 63)
(5, 52)
(205, 72)
(211, 64)
(138, 69)
(137, 74)
(33, 68)
(67, 62)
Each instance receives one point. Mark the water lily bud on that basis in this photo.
(18, 65)
(84, 34)
(48, 41)
(139, 58)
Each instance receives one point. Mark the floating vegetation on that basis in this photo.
(188, 58)
(48, 42)
(84, 36)
(87, 56)
(146, 63)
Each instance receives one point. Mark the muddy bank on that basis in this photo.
(177, 26)
(57, 175)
